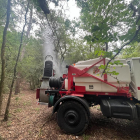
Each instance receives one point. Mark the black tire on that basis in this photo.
(72, 118)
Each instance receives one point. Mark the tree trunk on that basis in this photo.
(90, 48)
(17, 84)
(18, 79)
(106, 48)
(32, 83)
(15, 67)
(3, 53)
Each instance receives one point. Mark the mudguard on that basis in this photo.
(72, 98)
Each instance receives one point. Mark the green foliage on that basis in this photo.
(117, 62)
(32, 63)
(113, 73)
(79, 51)
(103, 53)
(9, 123)
(10, 55)
(108, 71)
(37, 110)
(17, 98)
(131, 51)
(3, 5)
(86, 137)
(1, 138)
(107, 21)
(28, 103)
(17, 110)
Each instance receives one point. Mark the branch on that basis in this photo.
(136, 33)
(132, 7)
(44, 6)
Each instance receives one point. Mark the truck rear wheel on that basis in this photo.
(72, 118)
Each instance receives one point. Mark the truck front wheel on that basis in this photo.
(72, 118)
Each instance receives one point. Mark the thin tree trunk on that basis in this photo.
(17, 84)
(106, 49)
(32, 84)
(90, 47)
(15, 68)
(3, 53)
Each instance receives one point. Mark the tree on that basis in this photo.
(15, 67)
(107, 21)
(32, 63)
(3, 53)
(19, 74)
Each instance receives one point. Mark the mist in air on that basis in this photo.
(49, 49)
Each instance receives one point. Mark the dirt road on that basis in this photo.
(29, 121)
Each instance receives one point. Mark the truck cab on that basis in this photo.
(134, 66)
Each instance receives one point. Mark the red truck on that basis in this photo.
(84, 86)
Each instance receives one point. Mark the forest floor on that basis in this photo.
(29, 121)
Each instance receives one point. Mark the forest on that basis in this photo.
(32, 29)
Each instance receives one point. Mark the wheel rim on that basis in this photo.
(72, 118)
